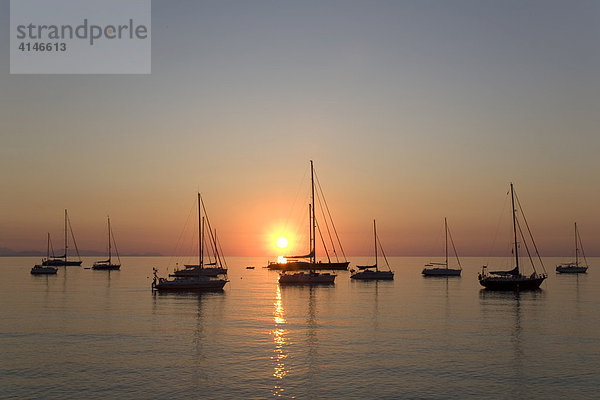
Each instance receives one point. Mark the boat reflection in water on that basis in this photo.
(279, 338)
(507, 311)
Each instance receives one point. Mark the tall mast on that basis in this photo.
(312, 187)
(375, 238)
(48, 247)
(66, 243)
(200, 232)
(109, 240)
(512, 195)
(576, 248)
(309, 228)
(446, 230)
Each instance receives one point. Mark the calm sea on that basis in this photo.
(93, 334)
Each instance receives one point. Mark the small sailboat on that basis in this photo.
(63, 261)
(45, 270)
(313, 277)
(575, 267)
(442, 269)
(107, 265)
(372, 272)
(197, 282)
(514, 279)
(309, 261)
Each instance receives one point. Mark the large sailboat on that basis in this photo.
(309, 261)
(63, 260)
(107, 265)
(45, 270)
(575, 267)
(514, 279)
(312, 277)
(442, 269)
(372, 272)
(198, 282)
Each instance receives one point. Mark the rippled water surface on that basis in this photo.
(95, 334)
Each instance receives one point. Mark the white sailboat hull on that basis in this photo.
(571, 269)
(43, 270)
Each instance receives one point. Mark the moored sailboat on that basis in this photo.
(45, 270)
(372, 272)
(63, 261)
(210, 268)
(575, 267)
(107, 265)
(197, 282)
(442, 269)
(514, 279)
(313, 277)
(309, 261)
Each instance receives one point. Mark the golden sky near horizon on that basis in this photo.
(412, 112)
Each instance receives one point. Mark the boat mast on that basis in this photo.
(576, 248)
(48, 247)
(375, 238)
(200, 232)
(446, 230)
(309, 228)
(512, 195)
(313, 226)
(66, 243)
(109, 255)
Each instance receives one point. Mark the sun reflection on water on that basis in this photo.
(279, 356)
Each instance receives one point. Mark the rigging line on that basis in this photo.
(212, 237)
(51, 247)
(73, 237)
(326, 225)
(526, 247)
(176, 249)
(221, 251)
(382, 252)
(582, 252)
(454, 248)
(112, 235)
(530, 234)
(207, 248)
(329, 213)
(501, 216)
(298, 190)
(322, 240)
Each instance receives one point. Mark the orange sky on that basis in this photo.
(412, 113)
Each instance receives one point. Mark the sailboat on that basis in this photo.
(107, 265)
(309, 261)
(514, 279)
(442, 269)
(45, 270)
(210, 268)
(372, 272)
(312, 277)
(63, 260)
(197, 282)
(574, 267)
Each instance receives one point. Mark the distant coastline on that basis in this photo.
(5, 252)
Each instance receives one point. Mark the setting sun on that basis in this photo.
(282, 243)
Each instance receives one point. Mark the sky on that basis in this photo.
(411, 110)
